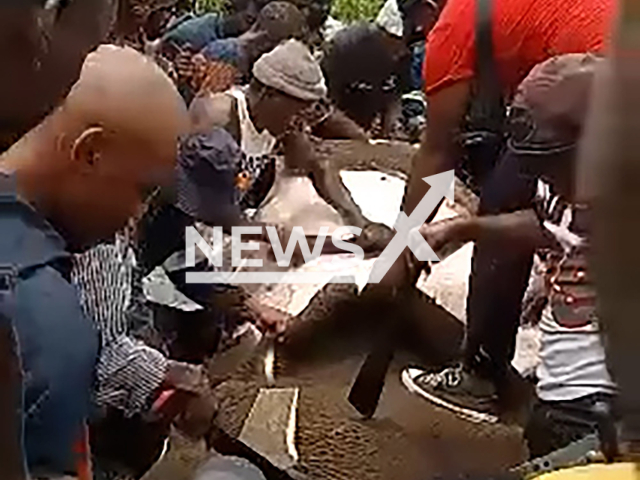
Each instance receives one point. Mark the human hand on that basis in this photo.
(186, 378)
(184, 63)
(271, 320)
(183, 384)
(374, 237)
(187, 401)
(190, 65)
(196, 418)
(439, 234)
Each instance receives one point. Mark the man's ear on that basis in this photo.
(87, 148)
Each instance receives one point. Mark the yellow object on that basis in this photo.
(612, 471)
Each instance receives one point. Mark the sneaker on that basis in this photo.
(457, 390)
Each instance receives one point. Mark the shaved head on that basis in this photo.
(90, 165)
(126, 92)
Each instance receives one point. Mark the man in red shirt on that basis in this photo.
(524, 33)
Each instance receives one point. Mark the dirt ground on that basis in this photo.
(408, 438)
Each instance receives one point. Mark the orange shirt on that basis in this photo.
(525, 33)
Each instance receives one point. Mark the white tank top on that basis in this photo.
(252, 142)
(293, 200)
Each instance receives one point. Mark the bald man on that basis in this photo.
(73, 180)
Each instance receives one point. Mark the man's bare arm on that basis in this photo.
(445, 114)
(338, 126)
(299, 153)
(518, 230)
(446, 111)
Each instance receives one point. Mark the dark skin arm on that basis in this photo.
(326, 180)
(338, 126)
(299, 154)
(239, 302)
(437, 148)
(518, 230)
(435, 155)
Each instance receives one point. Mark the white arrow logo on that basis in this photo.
(407, 227)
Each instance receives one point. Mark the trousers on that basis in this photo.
(499, 277)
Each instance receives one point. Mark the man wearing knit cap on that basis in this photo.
(283, 99)
(287, 78)
(70, 182)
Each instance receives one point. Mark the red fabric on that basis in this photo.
(82, 450)
(525, 33)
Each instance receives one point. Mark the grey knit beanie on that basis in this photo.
(291, 69)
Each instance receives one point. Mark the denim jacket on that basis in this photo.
(57, 345)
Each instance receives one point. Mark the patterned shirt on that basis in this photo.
(205, 75)
(128, 372)
(571, 292)
(572, 354)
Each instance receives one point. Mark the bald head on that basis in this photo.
(126, 92)
(90, 165)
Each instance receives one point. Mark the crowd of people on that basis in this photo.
(125, 122)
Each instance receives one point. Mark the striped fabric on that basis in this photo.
(103, 276)
(572, 356)
(128, 372)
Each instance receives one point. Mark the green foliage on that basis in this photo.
(352, 10)
(205, 6)
(343, 10)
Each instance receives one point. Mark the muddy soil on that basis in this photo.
(407, 439)
(386, 156)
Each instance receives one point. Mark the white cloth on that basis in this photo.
(390, 19)
(294, 202)
(252, 142)
(572, 361)
(571, 351)
(331, 27)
